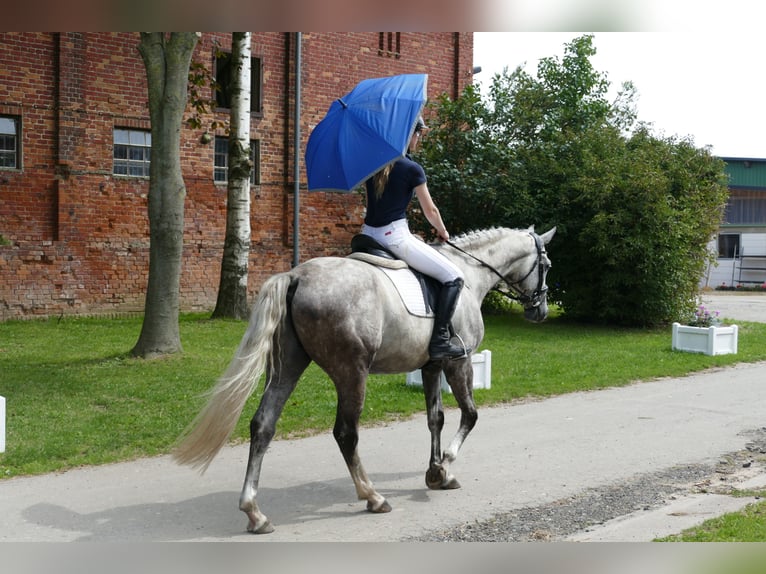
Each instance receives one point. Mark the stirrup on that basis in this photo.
(449, 351)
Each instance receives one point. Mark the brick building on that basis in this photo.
(74, 152)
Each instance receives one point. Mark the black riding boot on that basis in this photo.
(440, 346)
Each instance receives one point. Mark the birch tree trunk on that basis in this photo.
(167, 59)
(232, 290)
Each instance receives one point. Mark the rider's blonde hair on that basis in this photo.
(380, 180)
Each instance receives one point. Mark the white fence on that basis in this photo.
(482, 373)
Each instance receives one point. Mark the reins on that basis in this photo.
(516, 294)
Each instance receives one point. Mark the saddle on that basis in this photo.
(367, 249)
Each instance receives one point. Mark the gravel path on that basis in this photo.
(562, 518)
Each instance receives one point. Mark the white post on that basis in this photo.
(2, 424)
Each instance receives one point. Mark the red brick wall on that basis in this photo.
(74, 238)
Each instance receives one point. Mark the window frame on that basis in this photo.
(745, 206)
(729, 249)
(132, 149)
(390, 44)
(16, 139)
(222, 65)
(255, 157)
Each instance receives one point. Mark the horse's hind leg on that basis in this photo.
(280, 383)
(346, 432)
(460, 377)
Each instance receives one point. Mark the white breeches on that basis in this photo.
(396, 237)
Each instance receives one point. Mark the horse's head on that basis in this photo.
(530, 290)
(520, 262)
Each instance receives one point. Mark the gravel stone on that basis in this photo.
(559, 519)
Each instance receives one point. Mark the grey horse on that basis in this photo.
(347, 316)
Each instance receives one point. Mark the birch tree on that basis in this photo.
(167, 58)
(232, 290)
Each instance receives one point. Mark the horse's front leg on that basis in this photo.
(459, 375)
(460, 378)
(437, 475)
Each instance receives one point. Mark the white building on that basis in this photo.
(741, 241)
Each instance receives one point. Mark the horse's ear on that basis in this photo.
(531, 229)
(548, 235)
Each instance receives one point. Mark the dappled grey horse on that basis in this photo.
(348, 317)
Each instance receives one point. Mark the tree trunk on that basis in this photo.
(232, 290)
(167, 59)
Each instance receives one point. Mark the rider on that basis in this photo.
(389, 193)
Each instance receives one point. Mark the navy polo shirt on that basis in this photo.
(405, 176)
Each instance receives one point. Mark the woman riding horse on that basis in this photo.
(389, 192)
(347, 316)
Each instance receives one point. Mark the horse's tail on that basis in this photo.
(212, 427)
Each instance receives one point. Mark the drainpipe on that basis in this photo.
(297, 153)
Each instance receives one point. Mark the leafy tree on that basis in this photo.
(634, 211)
(167, 58)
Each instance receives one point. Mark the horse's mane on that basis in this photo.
(479, 237)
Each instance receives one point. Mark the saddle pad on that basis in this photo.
(378, 261)
(409, 290)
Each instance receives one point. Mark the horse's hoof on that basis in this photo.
(381, 509)
(435, 478)
(264, 528)
(451, 484)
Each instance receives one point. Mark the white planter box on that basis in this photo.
(707, 340)
(482, 373)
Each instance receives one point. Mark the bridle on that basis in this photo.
(528, 301)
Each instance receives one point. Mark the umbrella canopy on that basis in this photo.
(363, 131)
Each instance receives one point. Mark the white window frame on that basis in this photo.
(10, 142)
(132, 152)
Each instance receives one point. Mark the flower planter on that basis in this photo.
(708, 340)
(482, 373)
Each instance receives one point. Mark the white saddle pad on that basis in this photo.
(409, 290)
(403, 279)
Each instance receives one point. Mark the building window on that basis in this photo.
(223, 76)
(389, 44)
(221, 168)
(10, 138)
(745, 207)
(728, 245)
(132, 152)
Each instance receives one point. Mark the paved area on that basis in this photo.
(518, 456)
(741, 307)
(679, 514)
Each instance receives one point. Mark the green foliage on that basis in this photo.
(634, 211)
(496, 304)
(201, 82)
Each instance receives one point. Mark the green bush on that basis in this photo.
(634, 211)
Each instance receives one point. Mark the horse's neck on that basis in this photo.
(498, 248)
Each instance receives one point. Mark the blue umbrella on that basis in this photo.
(363, 131)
